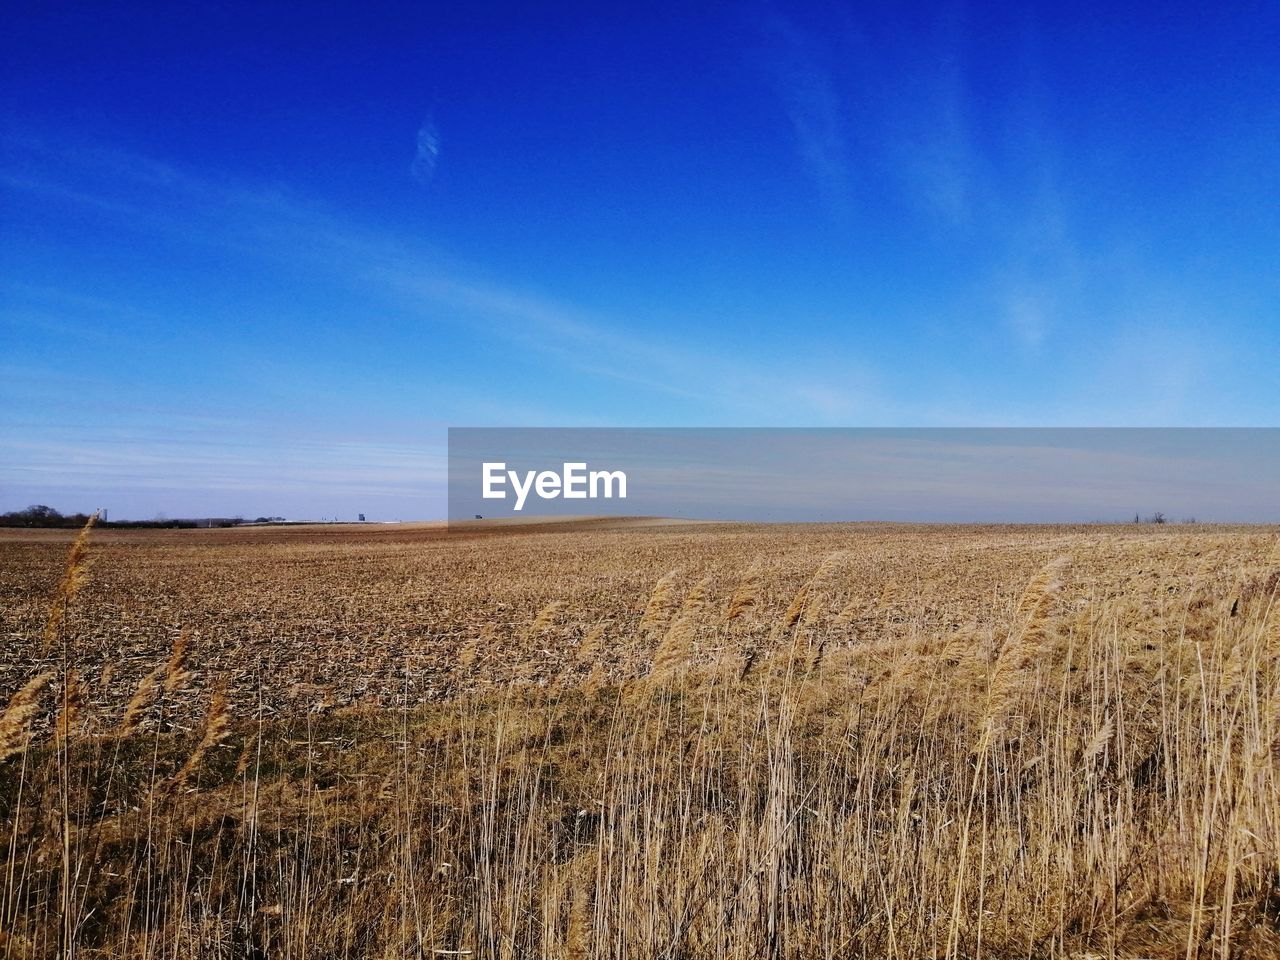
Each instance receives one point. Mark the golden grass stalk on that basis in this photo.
(661, 602)
(849, 612)
(148, 691)
(830, 564)
(71, 707)
(595, 679)
(676, 649)
(175, 673)
(744, 598)
(471, 650)
(1026, 643)
(812, 610)
(797, 607)
(73, 578)
(213, 730)
(1041, 589)
(547, 618)
(815, 664)
(591, 644)
(19, 716)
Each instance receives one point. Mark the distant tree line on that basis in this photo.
(1159, 518)
(39, 515)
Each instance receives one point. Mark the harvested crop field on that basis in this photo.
(628, 738)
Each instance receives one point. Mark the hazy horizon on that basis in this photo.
(923, 475)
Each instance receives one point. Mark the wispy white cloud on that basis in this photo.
(909, 121)
(712, 380)
(814, 107)
(427, 154)
(859, 120)
(931, 149)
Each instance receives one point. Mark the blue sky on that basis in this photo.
(253, 261)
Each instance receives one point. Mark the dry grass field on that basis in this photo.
(613, 739)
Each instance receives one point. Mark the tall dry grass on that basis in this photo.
(1085, 776)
